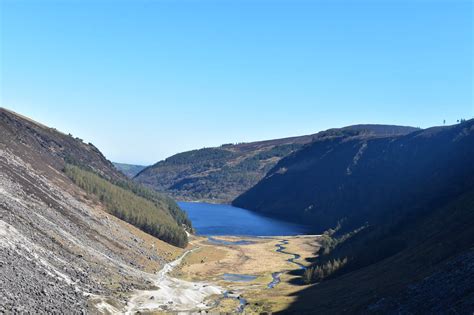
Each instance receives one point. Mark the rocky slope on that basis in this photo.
(220, 174)
(60, 250)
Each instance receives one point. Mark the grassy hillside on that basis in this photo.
(129, 170)
(220, 174)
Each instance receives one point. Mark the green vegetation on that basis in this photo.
(217, 174)
(160, 200)
(326, 264)
(319, 272)
(133, 204)
(328, 241)
(206, 154)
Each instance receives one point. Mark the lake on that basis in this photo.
(214, 219)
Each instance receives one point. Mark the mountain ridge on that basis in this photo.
(343, 156)
(220, 174)
(396, 215)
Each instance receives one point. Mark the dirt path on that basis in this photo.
(173, 294)
(249, 256)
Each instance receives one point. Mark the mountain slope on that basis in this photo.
(129, 170)
(398, 214)
(220, 174)
(58, 150)
(60, 248)
(360, 177)
(432, 274)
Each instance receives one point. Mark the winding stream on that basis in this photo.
(277, 275)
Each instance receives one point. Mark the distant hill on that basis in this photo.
(222, 173)
(130, 170)
(397, 214)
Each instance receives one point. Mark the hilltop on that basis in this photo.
(222, 173)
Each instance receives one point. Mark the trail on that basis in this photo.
(173, 294)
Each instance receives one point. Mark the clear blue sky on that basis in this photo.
(143, 80)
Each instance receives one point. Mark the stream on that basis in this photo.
(174, 294)
(276, 275)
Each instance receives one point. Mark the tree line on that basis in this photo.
(129, 206)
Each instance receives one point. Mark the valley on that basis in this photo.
(200, 278)
(221, 174)
(236, 157)
(260, 259)
(357, 208)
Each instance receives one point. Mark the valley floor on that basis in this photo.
(196, 281)
(259, 258)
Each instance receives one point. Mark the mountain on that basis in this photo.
(426, 267)
(222, 173)
(129, 170)
(357, 176)
(65, 242)
(397, 214)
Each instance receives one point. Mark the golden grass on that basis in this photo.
(211, 261)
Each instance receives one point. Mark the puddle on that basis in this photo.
(235, 277)
(228, 243)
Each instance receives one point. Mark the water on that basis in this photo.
(235, 277)
(277, 275)
(212, 219)
(281, 249)
(228, 243)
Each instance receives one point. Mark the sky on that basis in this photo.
(143, 80)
